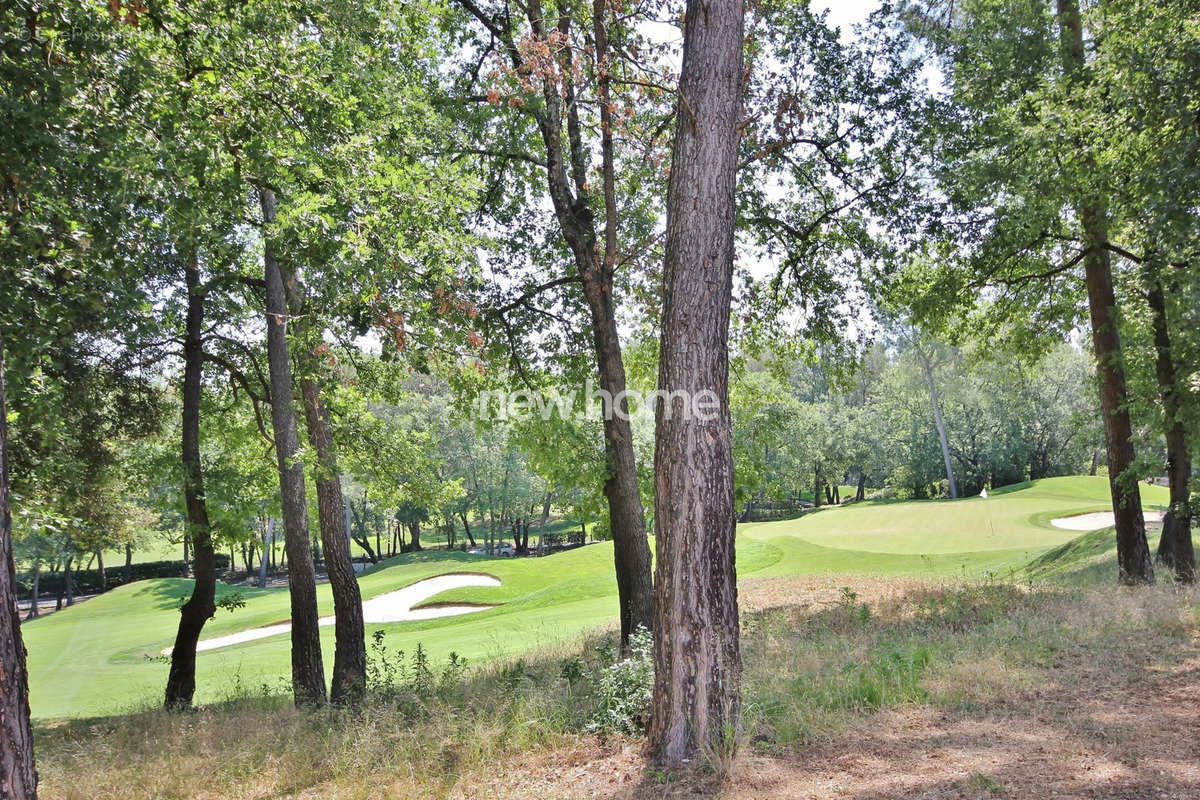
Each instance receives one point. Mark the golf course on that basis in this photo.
(105, 656)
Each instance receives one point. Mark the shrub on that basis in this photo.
(624, 687)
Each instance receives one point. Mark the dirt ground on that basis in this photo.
(1122, 723)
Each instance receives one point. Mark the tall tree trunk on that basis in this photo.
(817, 484)
(33, 591)
(264, 562)
(627, 519)
(181, 680)
(127, 572)
(467, 529)
(1175, 548)
(18, 777)
(569, 195)
(187, 558)
(68, 584)
(697, 696)
(308, 670)
(1133, 554)
(350, 652)
(861, 493)
(363, 538)
(103, 574)
(939, 422)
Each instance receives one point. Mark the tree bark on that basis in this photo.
(350, 652)
(697, 698)
(181, 680)
(264, 561)
(595, 268)
(349, 682)
(1175, 548)
(1133, 554)
(103, 574)
(308, 671)
(68, 586)
(467, 529)
(33, 592)
(18, 776)
(127, 573)
(938, 421)
(363, 538)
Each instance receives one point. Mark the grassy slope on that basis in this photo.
(96, 658)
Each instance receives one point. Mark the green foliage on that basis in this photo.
(623, 687)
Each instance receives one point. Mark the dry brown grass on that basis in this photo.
(887, 689)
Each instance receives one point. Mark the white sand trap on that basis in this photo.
(1097, 520)
(394, 606)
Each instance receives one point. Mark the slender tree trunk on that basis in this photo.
(697, 696)
(68, 584)
(18, 776)
(861, 493)
(939, 422)
(103, 574)
(181, 680)
(467, 529)
(33, 592)
(127, 572)
(627, 518)
(1133, 553)
(268, 548)
(363, 537)
(1175, 548)
(187, 559)
(58, 598)
(308, 671)
(567, 183)
(817, 484)
(350, 653)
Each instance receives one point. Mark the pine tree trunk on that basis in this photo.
(1175, 548)
(697, 697)
(181, 680)
(18, 777)
(308, 670)
(1133, 553)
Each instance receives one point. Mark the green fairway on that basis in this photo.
(103, 656)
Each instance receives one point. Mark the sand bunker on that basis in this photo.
(1097, 520)
(394, 606)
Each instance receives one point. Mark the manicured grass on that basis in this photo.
(103, 656)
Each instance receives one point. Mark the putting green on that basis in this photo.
(103, 656)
